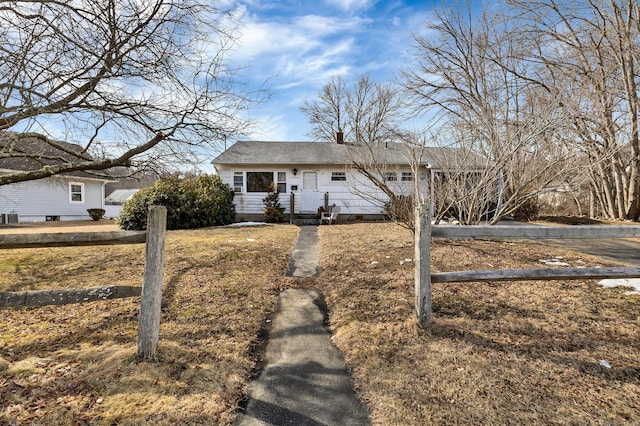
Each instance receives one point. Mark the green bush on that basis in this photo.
(191, 203)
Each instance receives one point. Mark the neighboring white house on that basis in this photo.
(57, 198)
(113, 202)
(320, 174)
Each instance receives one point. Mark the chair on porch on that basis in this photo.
(330, 215)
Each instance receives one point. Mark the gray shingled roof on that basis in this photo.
(119, 196)
(322, 153)
(39, 154)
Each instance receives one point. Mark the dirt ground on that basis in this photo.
(66, 226)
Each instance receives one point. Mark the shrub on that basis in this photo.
(96, 214)
(401, 209)
(273, 212)
(527, 211)
(191, 203)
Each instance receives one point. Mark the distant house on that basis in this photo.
(123, 187)
(320, 174)
(57, 198)
(113, 202)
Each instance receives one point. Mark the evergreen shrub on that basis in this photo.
(190, 202)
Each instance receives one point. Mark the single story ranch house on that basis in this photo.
(313, 175)
(56, 198)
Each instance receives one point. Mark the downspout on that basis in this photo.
(432, 181)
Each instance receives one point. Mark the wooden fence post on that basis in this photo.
(292, 206)
(149, 322)
(423, 265)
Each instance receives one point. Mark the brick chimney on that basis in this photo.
(340, 137)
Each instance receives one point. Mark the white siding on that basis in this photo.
(112, 211)
(34, 200)
(355, 196)
(250, 203)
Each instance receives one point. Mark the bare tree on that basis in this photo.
(130, 82)
(471, 75)
(387, 162)
(328, 113)
(364, 112)
(589, 52)
(393, 175)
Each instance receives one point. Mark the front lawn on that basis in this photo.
(563, 352)
(77, 364)
(497, 353)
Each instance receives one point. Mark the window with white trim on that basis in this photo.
(238, 181)
(338, 176)
(390, 176)
(407, 177)
(259, 181)
(282, 182)
(76, 192)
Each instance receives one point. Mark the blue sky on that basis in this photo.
(296, 46)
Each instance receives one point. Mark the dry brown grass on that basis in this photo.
(497, 353)
(77, 364)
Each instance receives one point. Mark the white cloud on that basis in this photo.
(351, 4)
(298, 46)
(269, 128)
(316, 66)
(301, 34)
(308, 46)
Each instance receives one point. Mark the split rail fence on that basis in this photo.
(151, 290)
(424, 232)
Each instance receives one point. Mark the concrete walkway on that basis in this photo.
(305, 380)
(304, 257)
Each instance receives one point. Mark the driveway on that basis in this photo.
(620, 250)
(626, 251)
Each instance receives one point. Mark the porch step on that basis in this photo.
(306, 219)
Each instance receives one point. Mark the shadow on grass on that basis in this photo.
(546, 347)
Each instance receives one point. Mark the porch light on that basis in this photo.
(295, 171)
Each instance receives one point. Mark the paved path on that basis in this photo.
(305, 380)
(304, 257)
(616, 249)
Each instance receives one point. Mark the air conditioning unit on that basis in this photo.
(7, 218)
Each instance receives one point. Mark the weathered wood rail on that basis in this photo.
(425, 232)
(74, 295)
(62, 239)
(501, 232)
(150, 292)
(68, 296)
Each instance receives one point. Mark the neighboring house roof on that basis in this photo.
(119, 196)
(325, 153)
(24, 154)
(131, 182)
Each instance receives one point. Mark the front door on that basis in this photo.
(309, 201)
